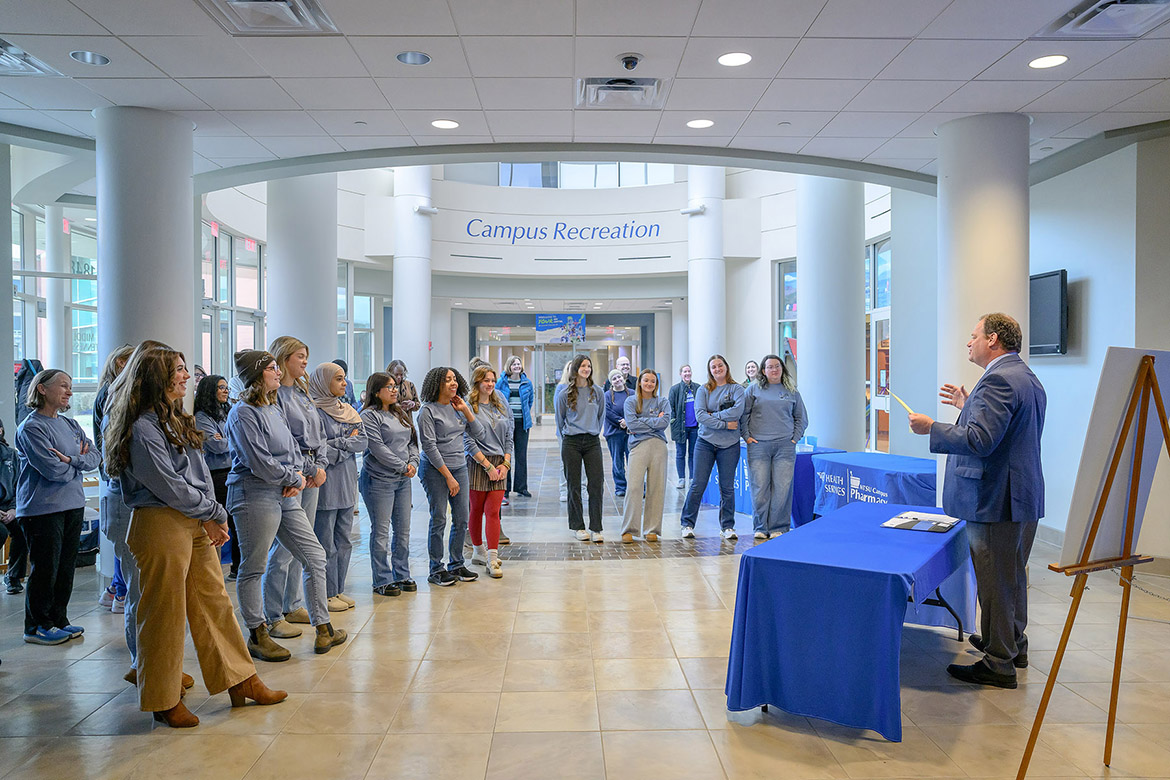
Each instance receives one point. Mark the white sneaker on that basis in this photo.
(119, 606)
(347, 599)
(495, 568)
(729, 534)
(760, 535)
(688, 532)
(336, 605)
(564, 498)
(582, 535)
(107, 598)
(682, 483)
(597, 537)
(479, 555)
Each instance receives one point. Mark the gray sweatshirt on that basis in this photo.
(712, 420)
(44, 484)
(215, 451)
(388, 447)
(341, 449)
(585, 417)
(263, 449)
(160, 474)
(773, 413)
(440, 433)
(499, 432)
(306, 427)
(647, 425)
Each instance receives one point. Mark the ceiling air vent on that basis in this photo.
(1109, 19)
(15, 61)
(620, 93)
(270, 17)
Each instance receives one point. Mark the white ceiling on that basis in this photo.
(851, 79)
(575, 305)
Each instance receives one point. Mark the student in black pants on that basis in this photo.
(9, 528)
(579, 407)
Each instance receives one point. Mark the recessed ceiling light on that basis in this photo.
(457, 303)
(445, 124)
(1050, 61)
(413, 57)
(90, 57)
(1046, 148)
(783, 124)
(91, 219)
(700, 124)
(360, 122)
(733, 59)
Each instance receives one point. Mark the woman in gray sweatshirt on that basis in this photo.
(718, 407)
(579, 407)
(647, 418)
(774, 418)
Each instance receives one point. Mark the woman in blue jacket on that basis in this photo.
(517, 389)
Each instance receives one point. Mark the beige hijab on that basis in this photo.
(326, 401)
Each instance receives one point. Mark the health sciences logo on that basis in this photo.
(866, 493)
(833, 483)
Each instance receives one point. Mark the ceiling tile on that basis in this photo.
(211, 123)
(285, 56)
(7, 102)
(1146, 59)
(430, 93)
(54, 50)
(163, 94)
(926, 125)
(959, 60)
(1051, 146)
(513, 17)
(841, 148)
(931, 168)
(530, 122)
(615, 124)
(727, 123)
(694, 140)
(200, 164)
(902, 95)
(715, 94)
(756, 18)
(909, 148)
(201, 56)
(599, 57)
(451, 140)
(532, 139)
(296, 146)
(609, 139)
(1087, 95)
(386, 17)
(1081, 56)
(26, 117)
(1002, 19)
(284, 123)
(246, 94)
(356, 143)
(216, 147)
(59, 18)
(1045, 124)
(418, 123)
(868, 124)
(341, 93)
(644, 17)
(379, 55)
(50, 92)
(867, 19)
(336, 123)
(531, 93)
(902, 163)
(701, 58)
(786, 123)
(810, 94)
(988, 96)
(1109, 120)
(841, 58)
(513, 56)
(235, 162)
(1156, 98)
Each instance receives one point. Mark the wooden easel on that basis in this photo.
(1146, 386)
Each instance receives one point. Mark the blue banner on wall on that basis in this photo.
(560, 328)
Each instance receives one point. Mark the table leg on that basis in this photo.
(939, 601)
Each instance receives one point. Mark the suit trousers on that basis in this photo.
(999, 553)
(181, 583)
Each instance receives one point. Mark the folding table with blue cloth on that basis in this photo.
(819, 614)
(873, 477)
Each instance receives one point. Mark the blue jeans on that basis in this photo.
(707, 456)
(619, 452)
(388, 501)
(283, 573)
(333, 527)
(770, 464)
(115, 517)
(438, 499)
(686, 449)
(263, 516)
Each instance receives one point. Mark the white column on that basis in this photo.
(302, 263)
(663, 333)
(706, 269)
(58, 331)
(7, 347)
(460, 333)
(412, 269)
(146, 288)
(982, 234)
(830, 293)
(679, 352)
(441, 336)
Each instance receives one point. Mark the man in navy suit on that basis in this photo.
(994, 482)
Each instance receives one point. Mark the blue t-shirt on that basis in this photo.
(691, 422)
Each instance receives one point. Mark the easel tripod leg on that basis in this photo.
(1126, 577)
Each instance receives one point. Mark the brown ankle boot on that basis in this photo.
(177, 717)
(327, 637)
(261, 646)
(253, 688)
(132, 678)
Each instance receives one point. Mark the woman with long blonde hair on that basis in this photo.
(579, 406)
(647, 417)
(113, 516)
(718, 406)
(489, 459)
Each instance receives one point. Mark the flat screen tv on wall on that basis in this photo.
(1048, 315)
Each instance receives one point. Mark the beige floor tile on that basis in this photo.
(49, 716)
(459, 677)
(202, 755)
(764, 753)
(549, 647)
(679, 755)
(1134, 754)
(633, 644)
(14, 751)
(218, 716)
(708, 643)
(864, 754)
(311, 757)
(648, 710)
(32, 673)
(1137, 702)
(952, 705)
(705, 672)
(474, 622)
(416, 622)
(697, 620)
(624, 622)
(351, 675)
(104, 758)
(86, 676)
(1082, 666)
(121, 715)
(344, 713)
(547, 711)
(446, 713)
(572, 755)
(638, 674)
(296, 675)
(620, 601)
(1147, 664)
(698, 599)
(551, 623)
(996, 750)
(1063, 707)
(558, 675)
(440, 755)
(570, 601)
(538, 583)
(388, 647)
(459, 647)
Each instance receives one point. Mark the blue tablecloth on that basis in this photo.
(819, 613)
(803, 485)
(872, 477)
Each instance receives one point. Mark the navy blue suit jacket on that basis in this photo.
(993, 471)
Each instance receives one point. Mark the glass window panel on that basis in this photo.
(631, 174)
(788, 288)
(578, 176)
(869, 277)
(343, 291)
(41, 260)
(363, 359)
(245, 334)
(85, 360)
(660, 173)
(363, 311)
(342, 342)
(223, 267)
(607, 176)
(207, 262)
(246, 257)
(223, 346)
(882, 274)
(205, 344)
(83, 262)
(523, 175)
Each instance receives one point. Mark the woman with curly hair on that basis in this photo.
(579, 407)
(442, 422)
(154, 448)
(489, 459)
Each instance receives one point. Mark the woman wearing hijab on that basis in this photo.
(345, 437)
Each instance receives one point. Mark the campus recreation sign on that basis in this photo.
(563, 232)
(560, 328)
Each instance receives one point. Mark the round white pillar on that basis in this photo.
(441, 354)
(706, 269)
(412, 270)
(58, 330)
(830, 294)
(982, 234)
(680, 332)
(145, 231)
(302, 263)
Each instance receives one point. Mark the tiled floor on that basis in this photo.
(609, 668)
